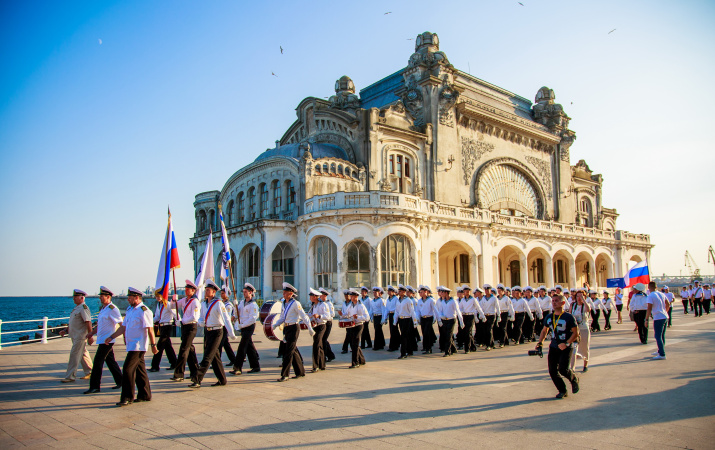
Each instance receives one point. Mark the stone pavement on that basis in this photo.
(499, 399)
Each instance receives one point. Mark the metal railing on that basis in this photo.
(43, 340)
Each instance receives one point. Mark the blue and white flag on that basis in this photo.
(225, 252)
(206, 270)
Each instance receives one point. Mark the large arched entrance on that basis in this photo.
(604, 269)
(585, 270)
(456, 263)
(561, 263)
(538, 263)
(512, 266)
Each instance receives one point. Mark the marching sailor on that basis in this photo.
(292, 315)
(247, 315)
(356, 311)
(107, 321)
(190, 307)
(378, 305)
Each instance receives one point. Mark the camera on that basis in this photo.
(539, 351)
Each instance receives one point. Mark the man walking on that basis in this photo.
(80, 325)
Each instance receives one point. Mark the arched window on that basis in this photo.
(263, 189)
(326, 263)
(400, 169)
(290, 195)
(332, 168)
(241, 207)
(358, 263)
(252, 204)
(251, 266)
(340, 169)
(202, 221)
(394, 256)
(212, 219)
(585, 210)
(282, 266)
(229, 214)
(325, 168)
(317, 168)
(276, 187)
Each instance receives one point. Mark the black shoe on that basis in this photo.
(445, 355)
(229, 364)
(153, 370)
(195, 385)
(561, 395)
(488, 349)
(344, 352)
(124, 402)
(315, 370)
(329, 359)
(139, 400)
(574, 386)
(402, 357)
(218, 383)
(177, 378)
(297, 376)
(354, 366)
(235, 372)
(91, 391)
(281, 379)
(119, 386)
(257, 369)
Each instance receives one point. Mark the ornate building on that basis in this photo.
(429, 176)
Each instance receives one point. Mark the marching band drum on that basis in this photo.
(269, 308)
(268, 327)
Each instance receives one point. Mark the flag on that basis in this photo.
(169, 261)
(637, 274)
(226, 250)
(616, 283)
(206, 270)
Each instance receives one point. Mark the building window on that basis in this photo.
(290, 195)
(212, 219)
(358, 263)
(276, 187)
(263, 189)
(282, 266)
(229, 213)
(326, 263)
(461, 268)
(560, 272)
(394, 256)
(241, 207)
(585, 210)
(251, 263)
(399, 168)
(252, 204)
(202, 221)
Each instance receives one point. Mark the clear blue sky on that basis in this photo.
(96, 139)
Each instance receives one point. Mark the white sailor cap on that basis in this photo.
(323, 291)
(377, 289)
(443, 289)
(592, 292)
(346, 291)
(103, 290)
(667, 288)
(466, 288)
(314, 292)
(353, 291)
(508, 289)
(478, 289)
(211, 284)
(401, 287)
(639, 287)
(528, 288)
(190, 284)
(364, 288)
(410, 289)
(226, 289)
(487, 286)
(542, 288)
(79, 292)
(605, 292)
(426, 288)
(558, 286)
(390, 288)
(289, 287)
(500, 286)
(565, 291)
(516, 288)
(249, 287)
(134, 291)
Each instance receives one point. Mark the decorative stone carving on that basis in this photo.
(427, 52)
(543, 169)
(472, 151)
(385, 185)
(567, 138)
(549, 113)
(413, 101)
(345, 97)
(447, 98)
(362, 176)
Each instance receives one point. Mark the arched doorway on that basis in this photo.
(585, 270)
(538, 263)
(604, 269)
(561, 263)
(512, 266)
(282, 266)
(456, 264)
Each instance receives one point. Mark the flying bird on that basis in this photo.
(281, 49)
(520, 3)
(389, 12)
(100, 41)
(274, 74)
(612, 31)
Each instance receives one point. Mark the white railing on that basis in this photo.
(44, 329)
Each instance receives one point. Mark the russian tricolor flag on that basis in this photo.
(169, 261)
(637, 274)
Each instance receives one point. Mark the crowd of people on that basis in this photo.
(486, 318)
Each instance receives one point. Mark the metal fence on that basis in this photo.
(43, 340)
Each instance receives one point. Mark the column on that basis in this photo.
(523, 270)
(572, 274)
(549, 263)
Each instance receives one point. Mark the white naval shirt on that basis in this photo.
(506, 306)
(598, 304)
(107, 320)
(378, 305)
(638, 302)
(190, 309)
(470, 305)
(490, 306)
(214, 314)
(619, 299)
(368, 305)
(449, 310)
(608, 303)
(357, 309)
(427, 308)
(389, 307)
(164, 314)
(405, 308)
(292, 314)
(321, 309)
(546, 306)
(331, 309)
(697, 292)
(139, 322)
(707, 294)
(670, 296)
(535, 307)
(247, 313)
(521, 305)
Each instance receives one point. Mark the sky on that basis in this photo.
(112, 111)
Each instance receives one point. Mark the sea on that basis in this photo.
(30, 308)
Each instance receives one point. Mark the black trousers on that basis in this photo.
(379, 343)
(595, 326)
(407, 340)
(527, 329)
(500, 329)
(163, 344)
(670, 315)
(246, 348)
(394, 333)
(226, 346)
(212, 357)
(698, 307)
(642, 324)
(488, 332)
(134, 372)
(518, 326)
(428, 336)
(365, 340)
(539, 324)
(105, 353)
(685, 305)
(607, 317)
(560, 366)
(354, 333)
(318, 352)
(446, 337)
(346, 342)
(187, 352)
(329, 355)
(706, 305)
(291, 357)
(467, 338)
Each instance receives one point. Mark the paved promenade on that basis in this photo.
(498, 399)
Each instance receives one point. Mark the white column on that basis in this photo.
(572, 274)
(523, 272)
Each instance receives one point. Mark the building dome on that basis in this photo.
(294, 151)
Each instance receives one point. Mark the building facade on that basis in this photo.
(428, 176)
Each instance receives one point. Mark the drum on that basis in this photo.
(303, 326)
(268, 327)
(269, 308)
(346, 323)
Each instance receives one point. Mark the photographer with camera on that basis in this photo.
(564, 332)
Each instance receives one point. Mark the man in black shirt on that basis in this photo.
(564, 332)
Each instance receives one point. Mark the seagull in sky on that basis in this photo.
(100, 41)
(388, 12)
(612, 31)
(520, 3)
(281, 49)
(274, 74)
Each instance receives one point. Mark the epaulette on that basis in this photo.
(143, 308)
(111, 306)
(85, 306)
